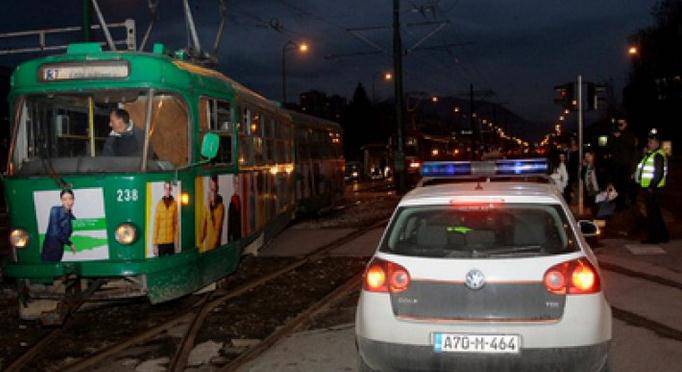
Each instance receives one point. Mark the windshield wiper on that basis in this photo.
(46, 161)
(508, 250)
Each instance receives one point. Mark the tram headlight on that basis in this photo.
(18, 238)
(126, 233)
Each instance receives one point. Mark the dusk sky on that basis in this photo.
(519, 49)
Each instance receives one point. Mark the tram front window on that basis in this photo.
(98, 132)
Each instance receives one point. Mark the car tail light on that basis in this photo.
(385, 276)
(572, 277)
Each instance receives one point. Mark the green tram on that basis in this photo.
(215, 172)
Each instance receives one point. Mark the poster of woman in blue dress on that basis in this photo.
(59, 229)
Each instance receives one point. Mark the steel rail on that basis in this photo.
(295, 324)
(196, 318)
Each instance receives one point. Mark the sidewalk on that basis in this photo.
(621, 244)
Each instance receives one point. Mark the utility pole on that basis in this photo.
(284, 74)
(580, 145)
(472, 119)
(87, 20)
(399, 103)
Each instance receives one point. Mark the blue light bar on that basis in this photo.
(446, 168)
(484, 168)
(522, 166)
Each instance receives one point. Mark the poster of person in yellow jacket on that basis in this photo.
(163, 218)
(212, 218)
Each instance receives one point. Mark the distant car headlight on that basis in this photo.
(354, 174)
(126, 233)
(19, 238)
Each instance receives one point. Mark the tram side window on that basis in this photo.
(216, 117)
(270, 144)
(168, 132)
(257, 139)
(283, 142)
(246, 154)
(303, 144)
(224, 128)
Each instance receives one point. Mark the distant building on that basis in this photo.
(319, 104)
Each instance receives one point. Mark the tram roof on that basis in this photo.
(154, 70)
(313, 121)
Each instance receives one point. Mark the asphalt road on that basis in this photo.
(646, 327)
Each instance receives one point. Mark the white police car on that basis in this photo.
(487, 274)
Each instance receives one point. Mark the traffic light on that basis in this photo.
(594, 94)
(565, 95)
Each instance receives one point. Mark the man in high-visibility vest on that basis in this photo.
(651, 175)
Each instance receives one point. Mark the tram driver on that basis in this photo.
(125, 139)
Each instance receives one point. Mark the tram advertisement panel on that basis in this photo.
(71, 224)
(217, 211)
(163, 218)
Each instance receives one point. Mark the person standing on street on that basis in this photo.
(559, 173)
(623, 149)
(591, 179)
(651, 175)
(572, 163)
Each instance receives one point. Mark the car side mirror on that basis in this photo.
(588, 228)
(209, 145)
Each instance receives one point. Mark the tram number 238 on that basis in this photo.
(126, 195)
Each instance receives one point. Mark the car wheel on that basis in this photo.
(362, 366)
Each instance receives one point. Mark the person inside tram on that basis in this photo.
(124, 139)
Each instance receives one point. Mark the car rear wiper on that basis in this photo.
(509, 250)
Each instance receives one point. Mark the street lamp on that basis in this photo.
(456, 108)
(387, 77)
(633, 51)
(289, 46)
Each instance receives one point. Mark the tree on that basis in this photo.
(357, 123)
(653, 96)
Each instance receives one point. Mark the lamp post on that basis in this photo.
(288, 46)
(387, 76)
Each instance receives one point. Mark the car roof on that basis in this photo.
(504, 192)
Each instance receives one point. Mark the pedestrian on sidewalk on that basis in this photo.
(623, 151)
(651, 175)
(591, 178)
(572, 162)
(559, 173)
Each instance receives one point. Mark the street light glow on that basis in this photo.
(456, 109)
(434, 99)
(388, 76)
(633, 51)
(303, 47)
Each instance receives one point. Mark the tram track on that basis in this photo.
(196, 316)
(640, 275)
(638, 320)
(303, 319)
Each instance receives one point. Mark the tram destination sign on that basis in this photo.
(85, 70)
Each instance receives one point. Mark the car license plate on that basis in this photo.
(472, 343)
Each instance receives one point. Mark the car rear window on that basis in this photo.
(485, 230)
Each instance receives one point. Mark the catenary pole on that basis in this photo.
(581, 195)
(399, 98)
